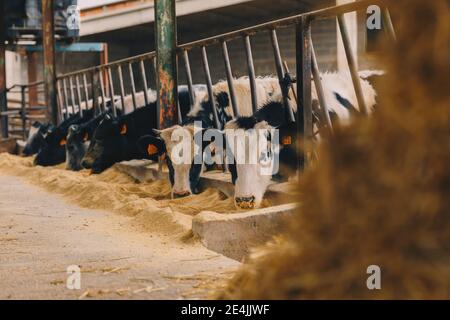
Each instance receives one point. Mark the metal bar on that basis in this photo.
(389, 27)
(86, 92)
(251, 73)
(304, 116)
(122, 90)
(144, 82)
(3, 95)
(280, 73)
(95, 85)
(111, 92)
(48, 39)
(209, 85)
(72, 95)
(319, 89)
(226, 59)
(77, 81)
(23, 114)
(60, 101)
(187, 67)
(66, 99)
(133, 86)
(352, 65)
(102, 90)
(166, 62)
(326, 13)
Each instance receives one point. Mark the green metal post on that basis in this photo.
(166, 62)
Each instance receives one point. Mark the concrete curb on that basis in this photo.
(233, 235)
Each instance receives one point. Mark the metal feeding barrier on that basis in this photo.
(96, 86)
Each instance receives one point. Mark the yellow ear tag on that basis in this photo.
(62, 142)
(86, 137)
(152, 149)
(123, 130)
(287, 140)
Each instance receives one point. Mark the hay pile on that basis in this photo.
(148, 203)
(381, 192)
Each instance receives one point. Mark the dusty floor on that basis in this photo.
(41, 234)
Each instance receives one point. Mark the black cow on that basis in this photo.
(78, 139)
(53, 150)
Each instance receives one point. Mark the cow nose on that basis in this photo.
(181, 194)
(85, 164)
(245, 202)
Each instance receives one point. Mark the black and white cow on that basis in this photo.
(53, 150)
(36, 135)
(115, 139)
(184, 174)
(274, 138)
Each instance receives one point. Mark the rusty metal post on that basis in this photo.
(166, 62)
(48, 35)
(32, 77)
(3, 98)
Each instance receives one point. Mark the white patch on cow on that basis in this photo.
(267, 90)
(254, 159)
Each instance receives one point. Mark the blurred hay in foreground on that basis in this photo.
(381, 192)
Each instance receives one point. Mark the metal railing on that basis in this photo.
(96, 86)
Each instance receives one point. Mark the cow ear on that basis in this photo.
(151, 145)
(123, 128)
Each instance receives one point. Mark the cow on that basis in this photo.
(184, 176)
(79, 136)
(78, 139)
(115, 139)
(36, 135)
(278, 147)
(53, 151)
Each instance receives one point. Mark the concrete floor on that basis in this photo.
(41, 235)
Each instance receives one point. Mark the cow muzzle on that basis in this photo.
(245, 202)
(86, 164)
(181, 194)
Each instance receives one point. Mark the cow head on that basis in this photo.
(52, 151)
(107, 146)
(252, 157)
(182, 147)
(36, 137)
(76, 146)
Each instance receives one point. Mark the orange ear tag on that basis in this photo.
(152, 149)
(123, 130)
(62, 142)
(287, 140)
